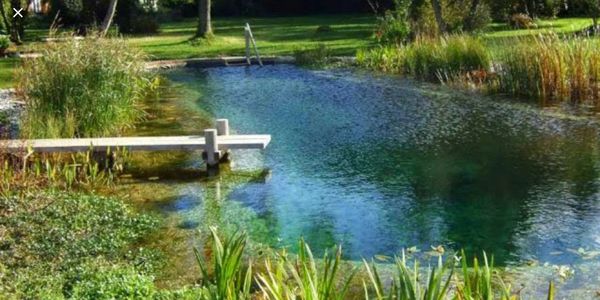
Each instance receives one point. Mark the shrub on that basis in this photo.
(4, 42)
(324, 29)
(521, 21)
(480, 19)
(318, 56)
(71, 8)
(144, 24)
(392, 30)
(82, 89)
(393, 27)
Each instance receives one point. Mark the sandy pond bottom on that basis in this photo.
(378, 164)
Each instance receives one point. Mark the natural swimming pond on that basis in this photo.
(379, 163)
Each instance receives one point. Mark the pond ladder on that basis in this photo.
(250, 38)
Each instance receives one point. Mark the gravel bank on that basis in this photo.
(10, 111)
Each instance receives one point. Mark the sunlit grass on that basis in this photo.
(82, 89)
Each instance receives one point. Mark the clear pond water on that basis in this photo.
(379, 163)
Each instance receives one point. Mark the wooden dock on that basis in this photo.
(215, 143)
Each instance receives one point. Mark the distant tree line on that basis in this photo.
(499, 9)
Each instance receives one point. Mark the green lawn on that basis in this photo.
(7, 66)
(564, 25)
(276, 36)
(281, 36)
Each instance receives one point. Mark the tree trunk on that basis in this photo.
(414, 10)
(110, 14)
(468, 23)
(16, 26)
(437, 11)
(204, 23)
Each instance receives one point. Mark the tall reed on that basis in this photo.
(82, 88)
(431, 59)
(552, 69)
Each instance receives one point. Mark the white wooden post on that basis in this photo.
(212, 147)
(222, 127)
(247, 36)
(223, 130)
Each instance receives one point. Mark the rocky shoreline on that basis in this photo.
(10, 111)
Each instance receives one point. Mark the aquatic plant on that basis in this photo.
(433, 59)
(230, 279)
(303, 277)
(27, 171)
(315, 57)
(552, 69)
(441, 282)
(407, 284)
(82, 88)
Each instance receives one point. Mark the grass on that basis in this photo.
(275, 36)
(280, 36)
(430, 59)
(560, 26)
(82, 89)
(553, 70)
(7, 69)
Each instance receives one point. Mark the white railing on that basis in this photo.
(250, 39)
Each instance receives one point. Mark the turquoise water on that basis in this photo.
(379, 163)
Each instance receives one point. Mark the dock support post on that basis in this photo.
(223, 130)
(212, 148)
(222, 127)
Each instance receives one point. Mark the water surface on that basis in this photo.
(379, 163)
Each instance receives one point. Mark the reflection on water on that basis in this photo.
(379, 164)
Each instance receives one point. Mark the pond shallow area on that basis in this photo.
(379, 163)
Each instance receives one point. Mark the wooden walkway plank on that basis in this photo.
(158, 143)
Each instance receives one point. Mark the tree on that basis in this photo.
(469, 20)
(204, 22)
(110, 14)
(439, 18)
(594, 9)
(17, 28)
(4, 18)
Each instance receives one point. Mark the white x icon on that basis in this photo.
(17, 12)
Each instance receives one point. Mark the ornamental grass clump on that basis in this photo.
(82, 88)
(436, 59)
(553, 70)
